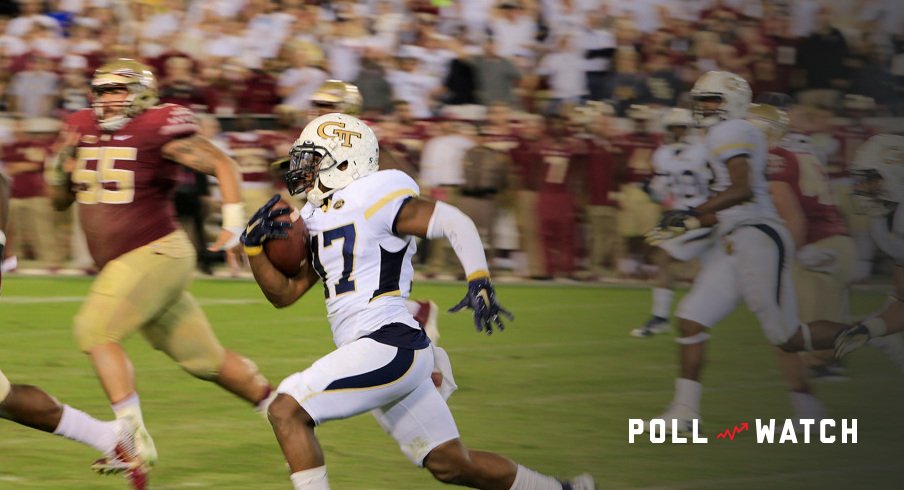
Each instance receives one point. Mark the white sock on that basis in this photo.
(131, 405)
(312, 479)
(688, 393)
(79, 426)
(662, 302)
(528, 479)
(806, 406)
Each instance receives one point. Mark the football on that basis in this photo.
(288, 254)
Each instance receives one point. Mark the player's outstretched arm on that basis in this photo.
(199, 154)
(428, 219)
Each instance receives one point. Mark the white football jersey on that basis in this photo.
(681, 176)
(888, 233)
(725, 141)
(365, 268)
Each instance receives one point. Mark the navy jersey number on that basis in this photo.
(689, 184)
(348, 235)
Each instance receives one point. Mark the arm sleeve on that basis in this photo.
(447, 221)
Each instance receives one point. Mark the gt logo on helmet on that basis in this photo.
(343, 134)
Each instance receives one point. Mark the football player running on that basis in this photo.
(751, 262)
(680, 181)
(362, 223)
(826, 254)
(119, 161)
(345, 98)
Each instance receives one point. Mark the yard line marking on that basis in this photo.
(27, 300)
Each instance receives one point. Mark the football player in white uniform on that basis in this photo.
(343, 97)
(680, 181)
(878, 172)
(362, 223)
(752, 260)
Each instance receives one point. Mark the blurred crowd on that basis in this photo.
(538, 118)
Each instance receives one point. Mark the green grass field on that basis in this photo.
(554, 391)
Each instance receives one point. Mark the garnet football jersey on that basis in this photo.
(810, 183)
(122, 182)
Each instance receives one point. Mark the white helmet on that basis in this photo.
(677, 123)
(733, 91)
(332, 151)
(878, 171)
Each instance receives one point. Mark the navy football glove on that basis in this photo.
(262, 226)
(481, 298)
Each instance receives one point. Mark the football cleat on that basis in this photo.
(426, 317)
(133, 455)
(580, 482)
(654, 325)
(850, 339)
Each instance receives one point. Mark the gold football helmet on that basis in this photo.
(136, 77)
(771, 120)
(338, 96)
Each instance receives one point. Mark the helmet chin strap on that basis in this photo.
(316, 196)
